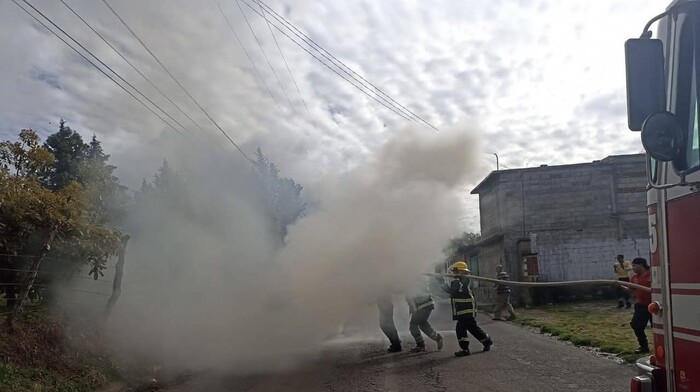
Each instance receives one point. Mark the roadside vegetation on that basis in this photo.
(42, 355)
(596, 324)
(64, 218)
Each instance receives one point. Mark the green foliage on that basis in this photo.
(25, 157)
(37, 380)
(168, 189)
(280, 197)
(452, 250)
(165, 199)
(45, 354)
(76, 196)
(68, 149)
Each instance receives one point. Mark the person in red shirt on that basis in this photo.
(641, 317)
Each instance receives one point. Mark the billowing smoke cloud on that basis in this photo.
(207, 289)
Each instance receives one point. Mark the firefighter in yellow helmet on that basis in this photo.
(464, 309)
(420, 305)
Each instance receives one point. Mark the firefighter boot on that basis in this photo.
(642, 350)
(628, 305)
(418, 349)
(487, 343)
(440, 342)
(394, 348)
(465, 349)
(620, 304)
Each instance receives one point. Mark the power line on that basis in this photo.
(306, 40)
(329, 67)
(262, 10)
(175, 80)
(107, 66)
(133, 66)
(325, 54)
(257, 71)
(341, 65)
(93, 64)
(266, 58)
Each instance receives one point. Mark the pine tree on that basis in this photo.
(69, 152)
(281, 197)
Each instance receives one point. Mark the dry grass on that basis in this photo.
(39, 355)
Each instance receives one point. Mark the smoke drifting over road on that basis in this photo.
(207, 288)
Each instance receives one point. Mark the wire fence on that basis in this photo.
(55, 273)
(50, 258)
(66, 294)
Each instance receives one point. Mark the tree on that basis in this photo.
(104, 197)
(37, 218)
(167, 186)
(68, 149)
(167, 190)
(25, 157)
(452, 250)
(281, 197)
(166, 180)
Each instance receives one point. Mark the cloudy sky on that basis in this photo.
(541, 81)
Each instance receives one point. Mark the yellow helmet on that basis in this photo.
(459, 266)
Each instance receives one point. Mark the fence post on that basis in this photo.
(118, 274)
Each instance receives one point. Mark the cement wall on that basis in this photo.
(578, 217)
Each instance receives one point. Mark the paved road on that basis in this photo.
(520, 360)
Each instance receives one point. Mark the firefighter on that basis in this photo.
(420, 305)
(622, 268)
(386, 322)
(464, 310)
(503, 296)
(641, 317)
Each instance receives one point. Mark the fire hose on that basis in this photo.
(629, 285)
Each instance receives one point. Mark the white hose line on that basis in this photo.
(547, 284)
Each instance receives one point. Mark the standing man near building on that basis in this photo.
(622, 268)
(641, 317)
(420, 305)
(386, 322)
(503, 296)
(464, 309)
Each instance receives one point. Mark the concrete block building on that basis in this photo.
(560, 223)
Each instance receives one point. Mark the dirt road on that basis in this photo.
(520, 360)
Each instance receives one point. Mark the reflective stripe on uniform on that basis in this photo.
(425, 305)
(461, 312)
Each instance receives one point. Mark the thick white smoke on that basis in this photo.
(206, 288)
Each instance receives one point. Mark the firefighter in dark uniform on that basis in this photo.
(420, 305)
(386, 322)
(464, 310)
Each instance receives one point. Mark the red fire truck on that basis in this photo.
(663, 84)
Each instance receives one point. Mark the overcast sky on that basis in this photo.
(542, 81)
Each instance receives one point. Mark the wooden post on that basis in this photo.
(119, 273)
(28, 281)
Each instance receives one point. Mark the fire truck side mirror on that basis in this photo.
(662, 136)
(646, 92)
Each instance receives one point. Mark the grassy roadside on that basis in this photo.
(42, 354)
(20, 379)
(595, 324)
